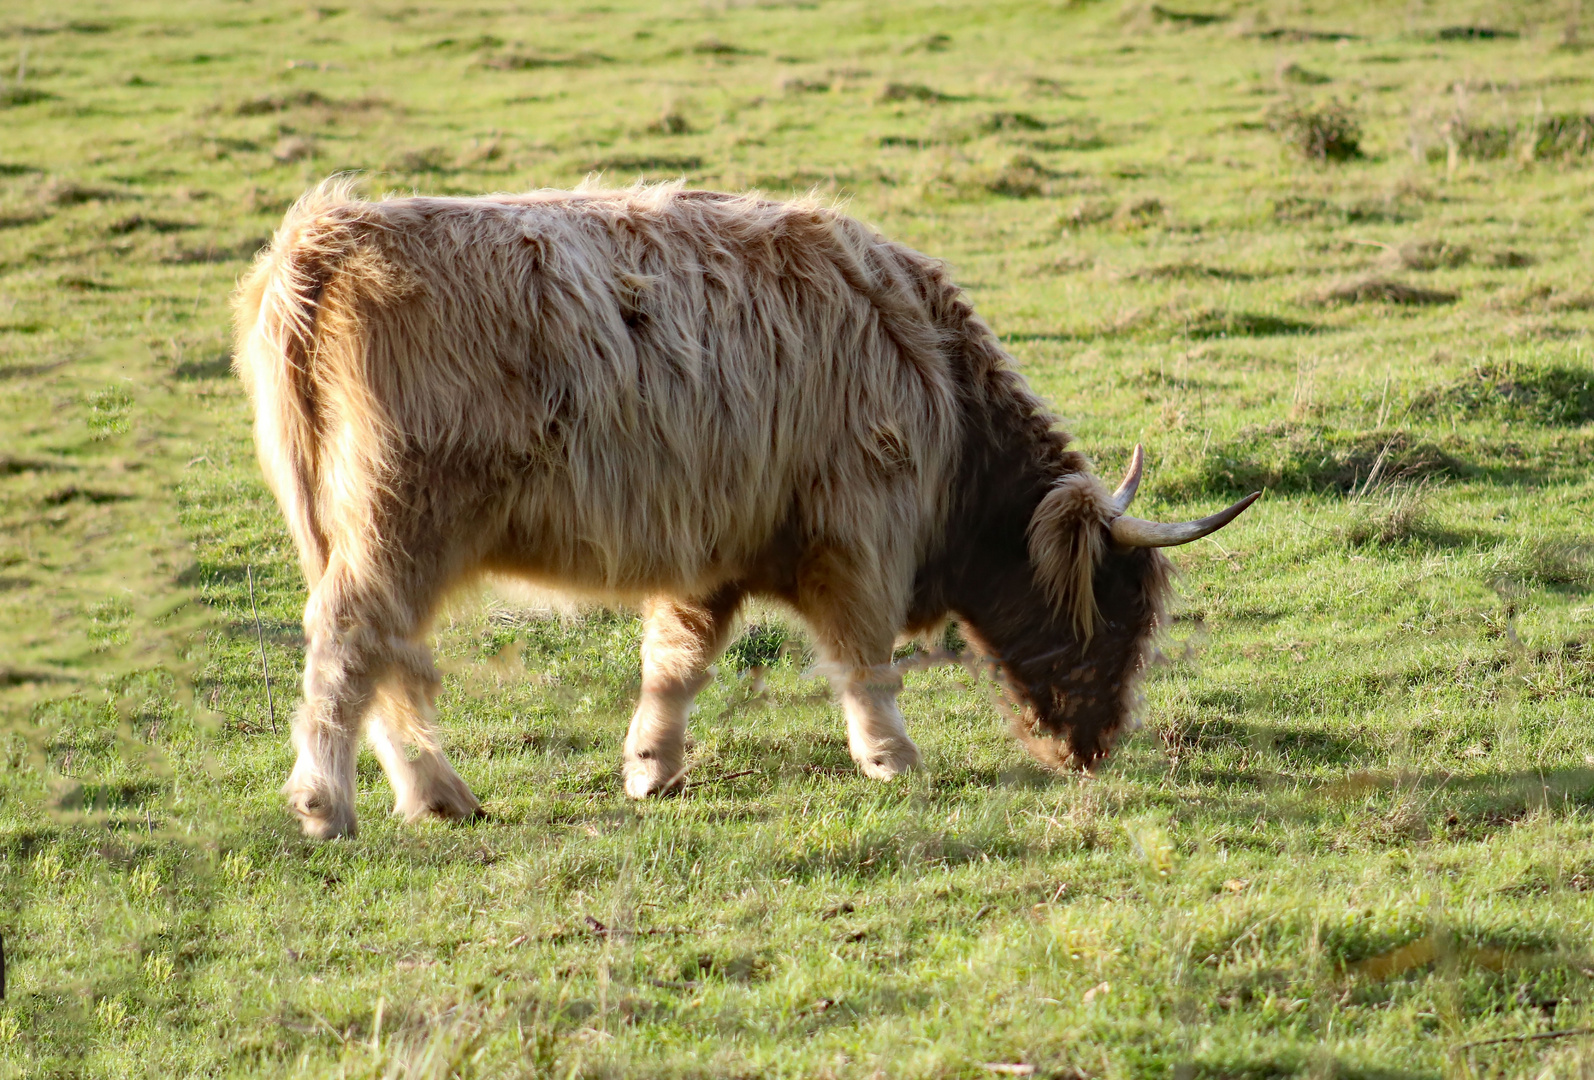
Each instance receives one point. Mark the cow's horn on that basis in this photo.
(1136, 532)
(1126, 490)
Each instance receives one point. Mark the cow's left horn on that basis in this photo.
(1136, 532)
(1126, 490)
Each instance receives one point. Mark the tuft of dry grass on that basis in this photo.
(1386, 512)
(291, 148)
(896, 91)
(535, 61)
(1541, 297)
(1141, 211)
(1326, 132)
(1383, 290)
(1292, 72)
(1557, 136)
(1428, 255)
(1022, 178)
(670, 122)
(63, 192)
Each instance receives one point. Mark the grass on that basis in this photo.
(1352, 837)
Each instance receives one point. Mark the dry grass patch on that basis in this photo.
(291, 148)
(1386, 512)
(672, 121)
(1384, 291)
(1541, 297)
(1428, 255)
(1187, 271)
(1555, 137)
(655, 165)
(895, 91)
(534, 61)
(1288, 456)
(13, 96)
(60, 191)
(1023, 178)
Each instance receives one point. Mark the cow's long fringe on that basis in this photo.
(1067, 537)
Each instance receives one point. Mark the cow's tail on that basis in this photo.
(275, 314)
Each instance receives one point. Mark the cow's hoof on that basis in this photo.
(321, 817)
(446, 797)
(651, 776)
(886, 762)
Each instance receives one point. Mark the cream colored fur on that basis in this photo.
(633, 395)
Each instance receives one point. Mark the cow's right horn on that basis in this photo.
(1126, 490)
(1136, 532)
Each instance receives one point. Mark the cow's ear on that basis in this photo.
(1067, 538)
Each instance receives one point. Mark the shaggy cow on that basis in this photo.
(680, 399)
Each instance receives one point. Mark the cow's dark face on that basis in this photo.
(1075, 687)
(1070, 686)
(1061, 589)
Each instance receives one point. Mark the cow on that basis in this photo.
(674, 399)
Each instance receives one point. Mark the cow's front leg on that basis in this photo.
(877, 736)
(680, 639)
(401, 733)
(855, 608)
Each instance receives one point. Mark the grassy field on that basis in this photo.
(1352, 837)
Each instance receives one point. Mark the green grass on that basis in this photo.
(1354, 833)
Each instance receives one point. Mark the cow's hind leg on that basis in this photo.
(340, 675)
(360, 636)
(855, 618)
(401, 733)
(680, 639)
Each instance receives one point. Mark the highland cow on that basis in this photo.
(677, 399)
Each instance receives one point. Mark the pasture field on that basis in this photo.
(1353, 835)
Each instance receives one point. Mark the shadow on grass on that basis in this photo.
(216, 367)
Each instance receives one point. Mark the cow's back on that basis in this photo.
(631, 390)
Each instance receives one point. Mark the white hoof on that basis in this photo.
(442, 795)
(645, 776)
(886, 761)
(322, 815)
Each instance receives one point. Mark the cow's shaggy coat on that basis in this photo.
(675, 398)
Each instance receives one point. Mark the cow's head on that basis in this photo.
(1070, 619)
